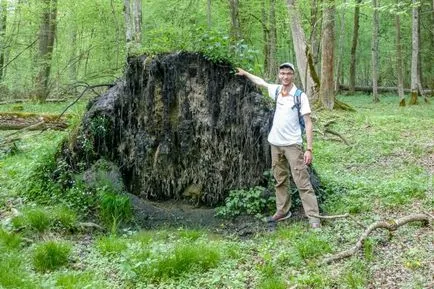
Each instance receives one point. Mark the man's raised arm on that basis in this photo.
(253, 78)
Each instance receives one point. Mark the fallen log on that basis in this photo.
(390, 225)
(368, 89)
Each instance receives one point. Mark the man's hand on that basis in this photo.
(240, 72)
(308, 157)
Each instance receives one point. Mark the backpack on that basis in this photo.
(297, 104)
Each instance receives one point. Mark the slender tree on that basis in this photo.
(341, 41)
(399, 60)
(235, 22)
(354, 46)
(208, 12)
(133, 24)
(47, 32)
(305, 64)
(374, 61)
(272, 65)
(415, 76)
(327, 94)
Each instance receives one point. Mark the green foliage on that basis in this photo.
(368, 249)
(50, 255)
(251, 201)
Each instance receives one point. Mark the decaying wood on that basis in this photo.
(390, 225)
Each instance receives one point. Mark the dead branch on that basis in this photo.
(340, 217)
(87, 87)
(390, 225)
(327, 130)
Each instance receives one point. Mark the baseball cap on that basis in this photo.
(287, 65)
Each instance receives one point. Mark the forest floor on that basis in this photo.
(385, 173)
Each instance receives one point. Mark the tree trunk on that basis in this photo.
(3, 18)
(414, 54)
(208, 13)
(327, 94)
(235, 23)
(272, 65)
(354, 46)
(133, 25)
(305, 65)
(375, 28)
(399, 60)
(266, 33)
(315, 36)
(47, 33)
(341, 42)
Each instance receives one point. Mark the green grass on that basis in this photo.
(380, 175)
(50, 255)
(111, 245)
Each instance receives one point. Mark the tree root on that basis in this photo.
(390, 225)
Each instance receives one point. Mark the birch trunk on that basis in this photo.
(375, 27)
(399, 60)
(414, 53)
(133, 24)
(47, 32)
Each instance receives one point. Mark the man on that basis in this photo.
(286, 144)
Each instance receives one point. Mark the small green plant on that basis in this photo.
(190, 234)
(111, 245)
(50, 255)
(252, 202)
(368, 249)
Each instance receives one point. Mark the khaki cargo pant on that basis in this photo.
(281, 157)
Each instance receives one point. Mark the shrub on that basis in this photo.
(50, 255)
(252, 202)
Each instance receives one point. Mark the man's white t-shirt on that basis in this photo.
(286, 127)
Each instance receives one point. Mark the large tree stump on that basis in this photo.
(178, 122)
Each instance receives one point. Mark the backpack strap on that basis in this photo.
(276, 94)
(297, 99)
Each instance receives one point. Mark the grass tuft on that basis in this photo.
(9, 240)
(51, 255)
(184, 259)
(111, 245)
